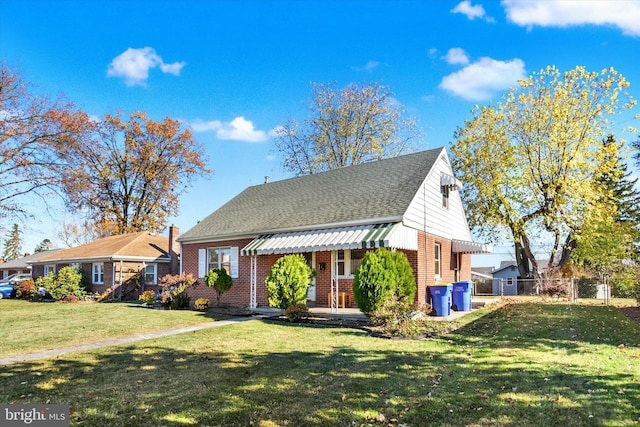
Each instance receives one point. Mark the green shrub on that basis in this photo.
(180, 299)
(219, 280)
(288, 281)
(587, 288)
(623, 282)
(148, 297)
(399, 318)
(67, 282)
(201, 304)
(383, 275)
(297, 312)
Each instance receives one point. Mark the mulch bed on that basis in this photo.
(632, 313)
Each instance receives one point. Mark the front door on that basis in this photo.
(310, 257)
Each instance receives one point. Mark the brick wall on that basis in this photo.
(239, 294)
(422, 262)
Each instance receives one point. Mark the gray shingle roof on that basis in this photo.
(379, 189)
(21, 263)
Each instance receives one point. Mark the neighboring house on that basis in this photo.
(506, 277)
(408, 203)
(20, 265)
(126, 264)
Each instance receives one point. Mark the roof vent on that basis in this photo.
(266, 179)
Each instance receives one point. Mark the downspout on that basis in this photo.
(426, 246)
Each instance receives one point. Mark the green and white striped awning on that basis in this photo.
(388, 235)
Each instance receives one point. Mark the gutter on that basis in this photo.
(254, 234)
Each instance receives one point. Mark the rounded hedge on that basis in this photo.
(288, 281)
(383, 275)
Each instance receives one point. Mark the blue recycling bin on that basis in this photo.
(440, 298)
(462, 296)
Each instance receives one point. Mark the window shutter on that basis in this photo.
(234, 262)
(202, 262)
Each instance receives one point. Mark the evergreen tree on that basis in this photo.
(621, 188)
(13, 244)
(45, 245)
(611, 235)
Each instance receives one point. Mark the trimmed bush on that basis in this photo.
(219, 280)
(383, 275)
(201, 304)
(297, 312)
(288, 281)
(68, 281)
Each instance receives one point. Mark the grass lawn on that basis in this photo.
(28, 327)
(521, 364)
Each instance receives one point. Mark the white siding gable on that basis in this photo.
(426, 212)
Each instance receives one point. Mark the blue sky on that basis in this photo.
(235, 70)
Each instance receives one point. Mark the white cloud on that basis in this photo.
(369, 66)
(482, 79)
(457, 55)
(134, 64)
(619, 13)
(471, 11)
(238, 129)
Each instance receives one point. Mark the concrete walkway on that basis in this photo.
(117, 341)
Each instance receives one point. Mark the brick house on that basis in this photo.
(408, 203)
(127, 264)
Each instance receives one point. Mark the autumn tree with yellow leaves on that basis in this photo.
(530, 162)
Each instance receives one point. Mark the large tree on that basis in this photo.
(13, 244)
(359, 123)
(30, 133)
(127, 175)
(530, 162)
(72, 234)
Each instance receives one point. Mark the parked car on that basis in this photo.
(15, 278)
(8, 285)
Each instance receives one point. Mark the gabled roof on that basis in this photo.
(142, 246)
(20, 263)
(504, 265)
(374, 192)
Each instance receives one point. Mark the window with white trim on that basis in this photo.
(49, 269)
(437, 258)
(219, 258)
(444, 189)
(75, 265)
(151, 274)
(98, 273)
(348, 261)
